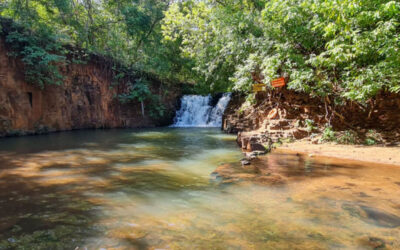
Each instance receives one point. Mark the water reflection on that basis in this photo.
(152, 189)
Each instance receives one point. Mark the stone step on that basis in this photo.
(278, 127)
(281, 122)
(275, 133)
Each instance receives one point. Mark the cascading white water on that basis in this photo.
(196, 111)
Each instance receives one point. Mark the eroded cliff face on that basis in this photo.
(86, 99)
(284, 114)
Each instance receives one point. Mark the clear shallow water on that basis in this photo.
(153, 189)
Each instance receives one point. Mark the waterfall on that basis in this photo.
(196, 111)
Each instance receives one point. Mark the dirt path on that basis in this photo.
(373, 154)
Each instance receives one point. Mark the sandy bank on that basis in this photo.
(372, 154)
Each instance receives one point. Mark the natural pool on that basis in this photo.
(153, 189)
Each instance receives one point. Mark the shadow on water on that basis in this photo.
(36, 216)
(49, 184)
(151, 189)
(51, 215)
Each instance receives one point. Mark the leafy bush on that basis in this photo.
(328, 134)
(310, 126)
(250, 101)
(349, 137)
(40, 53)
(126, 31)
(370, 141)
(140, 92)
(372, 138)
(157, 109)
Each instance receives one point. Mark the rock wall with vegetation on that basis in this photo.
(342, 56)
(277, 115)
(340, 60)
(88, 97)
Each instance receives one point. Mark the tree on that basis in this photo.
(343, 50)
(138, 92)
(348, 49)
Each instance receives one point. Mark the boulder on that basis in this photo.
(372, 242)
(300, 134)
(257, 147)
(245, 162)
(254, 142)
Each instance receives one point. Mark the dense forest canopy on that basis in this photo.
(127, 31)
(347, 49)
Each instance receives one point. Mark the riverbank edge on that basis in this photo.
(86, 99)
(297, 122)
(354, 153)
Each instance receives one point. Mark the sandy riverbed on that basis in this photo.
(373, 154)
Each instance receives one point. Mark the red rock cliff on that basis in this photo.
(283, 113)
(86, 99)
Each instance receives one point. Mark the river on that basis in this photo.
(154, 189)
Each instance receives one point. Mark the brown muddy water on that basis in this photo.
(154, 189)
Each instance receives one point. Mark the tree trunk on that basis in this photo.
(142, 103)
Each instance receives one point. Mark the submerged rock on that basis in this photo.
(353, 210)
(245, 162)
(257, 147)
(381, 218)
(271, 179)
(372, 242)
(254, 142)
(256, 153)
(372, 215)
(300, 134)
(229, 173)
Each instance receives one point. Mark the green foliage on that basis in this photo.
(310, 125)
(211, 35)
(156, 108)
(41, 54)
(129, 32)
(370, 142)
(250, 101)
(348, 49)
(349, 137)
(139, 92)
(372, 138)
(328, 135)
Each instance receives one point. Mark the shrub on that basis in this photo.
(370, 142)
(140, 92)
(372, 137)
(156, 108)
(310, 126)
(349, 137)
(328, 134)
(40, 53)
